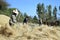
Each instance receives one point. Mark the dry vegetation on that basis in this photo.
(27, 31)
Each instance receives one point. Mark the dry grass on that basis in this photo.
(29, 32)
